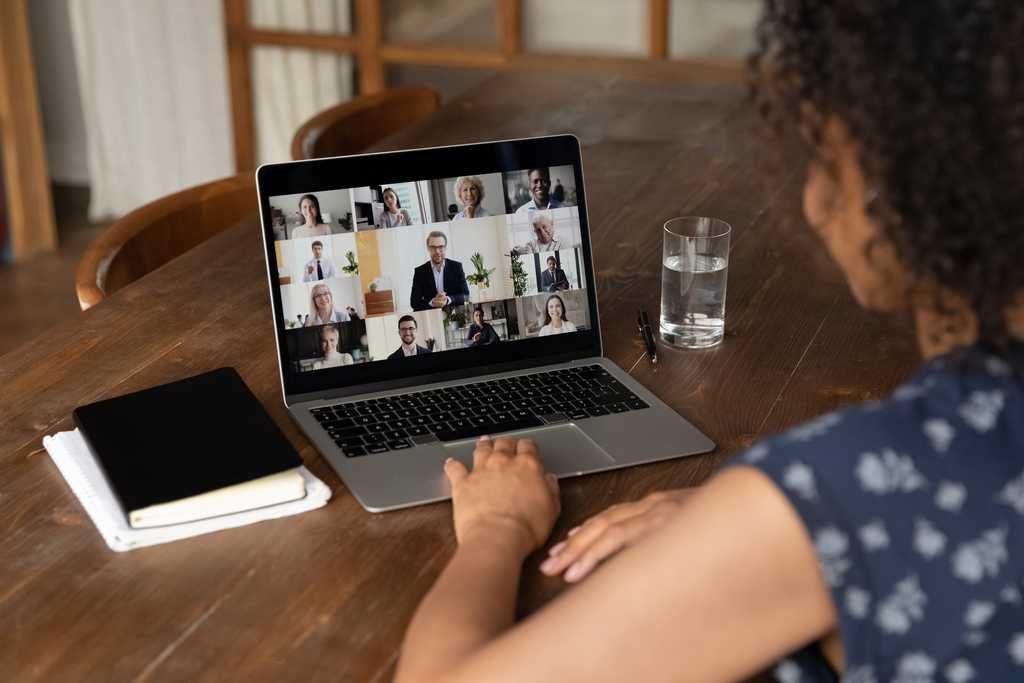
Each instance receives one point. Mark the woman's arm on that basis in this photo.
(730, 584)
(474, 599)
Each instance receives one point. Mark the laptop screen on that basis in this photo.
(433, 272)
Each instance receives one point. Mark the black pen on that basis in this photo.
(647, 335)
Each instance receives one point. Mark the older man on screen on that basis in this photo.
(440, 281)
(544, 235)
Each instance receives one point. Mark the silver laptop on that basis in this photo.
(424, 298)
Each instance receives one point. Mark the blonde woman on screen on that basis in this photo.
(554, 317)
(470, 192)
(309, 207)
(321, 307)
(332, 356)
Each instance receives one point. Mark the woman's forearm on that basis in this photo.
(471, 603)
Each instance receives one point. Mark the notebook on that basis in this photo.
(195, 448)
(76, 463)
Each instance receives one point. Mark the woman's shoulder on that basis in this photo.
(915, 507)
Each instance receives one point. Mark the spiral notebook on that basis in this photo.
(80, 470)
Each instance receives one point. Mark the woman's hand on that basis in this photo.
(608, 532)
(507, 492)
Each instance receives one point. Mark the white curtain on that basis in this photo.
(155, 93)
(153, 78)
(290, 85)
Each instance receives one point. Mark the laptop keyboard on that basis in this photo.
(386, 424)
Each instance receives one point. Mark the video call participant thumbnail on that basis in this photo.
(332, 356)
(393, 215)
(469, 190)
(544, 235)
(554, 318)
(318, 267)
(481, 333)
(407, 331)
(553, 278)
(321, 307)
(309, 207)
(440, 281)
(540, 192)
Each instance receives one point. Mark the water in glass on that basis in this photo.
(693, 300)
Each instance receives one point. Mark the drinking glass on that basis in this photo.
(694, 269)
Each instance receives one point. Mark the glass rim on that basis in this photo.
(718, 222)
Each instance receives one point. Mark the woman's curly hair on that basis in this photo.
(932, 92)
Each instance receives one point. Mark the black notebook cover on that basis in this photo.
(184, 438)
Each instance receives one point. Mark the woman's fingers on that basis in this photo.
(484, 447)
(552, 482)
(566, 553)
(608, 532)
(455, 471)
(614, 539)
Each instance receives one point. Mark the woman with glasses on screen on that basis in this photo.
(880, 543)
(321, 307)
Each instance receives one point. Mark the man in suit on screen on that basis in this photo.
(553, 278)
(407, 331)
(440, 281)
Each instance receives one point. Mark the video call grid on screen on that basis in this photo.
(358, 268)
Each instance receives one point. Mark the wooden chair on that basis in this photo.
(355, 125)
(153, 234)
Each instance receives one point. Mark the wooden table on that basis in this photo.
(327, 595)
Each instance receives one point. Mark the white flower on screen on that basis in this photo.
(981, 410)
(788, 672)
(981, 557)
(800, 478)
(888, 472)
(874, 536)
(756, 453)
(915, 667)
(978, 613)
(1010, 594)
(950, 496)
(940, 433)
(959, 671)
(819, 426)
(1016, 649)
(858, 602)
(905, 605)
(928, 541)
(1013, 494)
(831, 544)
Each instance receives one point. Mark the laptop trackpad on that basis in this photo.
(564, 449)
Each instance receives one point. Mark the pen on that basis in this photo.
(644, 324)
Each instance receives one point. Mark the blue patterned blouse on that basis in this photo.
(915, 506)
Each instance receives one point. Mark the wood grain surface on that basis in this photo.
(327, 595)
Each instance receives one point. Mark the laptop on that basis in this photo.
(426, 297)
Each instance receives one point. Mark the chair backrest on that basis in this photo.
(153, 234)
(355, 125)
